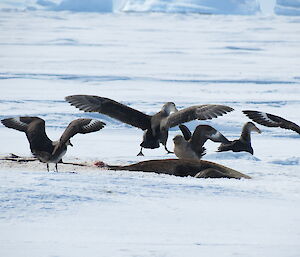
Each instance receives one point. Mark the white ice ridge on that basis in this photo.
(240, 7)
(79, 5)
(244, 7)
(287, 7)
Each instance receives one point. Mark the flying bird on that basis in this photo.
(243, 144)
(190, 146)
(41, 146)
(155, 126)
(271, 120)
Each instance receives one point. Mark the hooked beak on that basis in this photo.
(257, 130)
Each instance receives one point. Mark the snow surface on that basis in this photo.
(144, 60)
(287, 7)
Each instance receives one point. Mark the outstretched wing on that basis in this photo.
(81, 126)
(204, 132)
(187, 134)
(19, 123)
(34, 128)
(270, 120)
(198, 112)
(111, 108)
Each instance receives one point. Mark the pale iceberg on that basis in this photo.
(239, 7)
(84, 6)
(9, 5)
(287, 7)
(243, 7)
(63, 5)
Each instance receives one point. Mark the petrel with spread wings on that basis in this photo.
(156, 126)
(190, 145)
(41, 146)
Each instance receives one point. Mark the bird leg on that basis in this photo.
(47, 167)
(56, 167)
(167, 149)
(140, 153)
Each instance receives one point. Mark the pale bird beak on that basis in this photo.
(257, 130)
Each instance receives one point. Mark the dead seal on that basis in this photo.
(183, 168)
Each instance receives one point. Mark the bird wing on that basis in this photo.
(34, 127)
(81, 126)
(19, 123)
(270, 120)
(197, 112)
(121, 112)
(204, 132)
(187, 134)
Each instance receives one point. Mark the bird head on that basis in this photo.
(251, 126)
(178, 139)
(169, 107)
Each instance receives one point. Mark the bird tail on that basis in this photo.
(149, 141)
(224, 147)
(202, 152)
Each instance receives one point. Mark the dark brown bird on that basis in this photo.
(190, 146)
(243, 144)
(41, 146)
(271, 120)
(156, 126)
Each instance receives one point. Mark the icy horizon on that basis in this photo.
(241, 7)
(226, 7)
